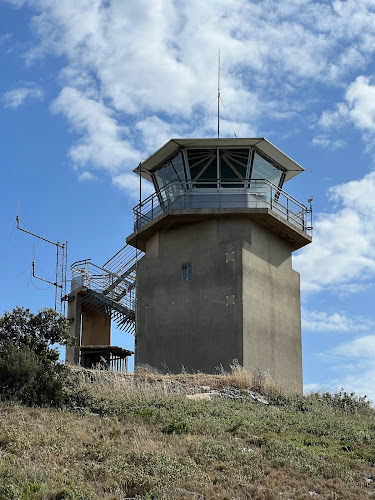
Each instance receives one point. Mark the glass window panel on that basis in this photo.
(233, 167)
(202, 163)
(227, 174)
(173, 170)
(262, 169)
(238, 158)
(198, 166)
(209, 174)
(178, 166)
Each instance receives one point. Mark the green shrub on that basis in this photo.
(176, 427)
(349, 402)
(26, 378)
(39, 332)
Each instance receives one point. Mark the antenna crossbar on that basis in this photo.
(61, 266)
(36, 235)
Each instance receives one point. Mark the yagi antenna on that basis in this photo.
(61, 265)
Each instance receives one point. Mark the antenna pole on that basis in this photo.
(61, 264)
(218, 96)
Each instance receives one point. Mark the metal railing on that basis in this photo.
(241, 193)
(118, 289)
(124, 261)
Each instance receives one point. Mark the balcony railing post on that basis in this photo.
(271, 195)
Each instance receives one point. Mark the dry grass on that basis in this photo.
(147, 380)
(139, 437)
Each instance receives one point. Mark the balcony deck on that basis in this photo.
(258, 199)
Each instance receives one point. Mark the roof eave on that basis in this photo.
(171, 147)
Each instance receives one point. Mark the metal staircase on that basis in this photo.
(110, 289)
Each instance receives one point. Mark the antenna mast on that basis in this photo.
(61, 265)
(218, 96)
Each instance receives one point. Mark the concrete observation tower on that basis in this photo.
(216, 282)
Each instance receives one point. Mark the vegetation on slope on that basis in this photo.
(140, 437)
(95, 435)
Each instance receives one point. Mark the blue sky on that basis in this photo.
(89, 88)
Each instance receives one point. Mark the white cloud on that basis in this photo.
(19, 96)
(86, 176)
(362, 348)
(360, 97)
(103, 142)
(343, 248)
(336, 118)
(130, 182)
(358, 108)
(325, 142)
(155, 64)
(156, 132)
(5, 38)
(321, 321)
(355, 362)
(17, 3)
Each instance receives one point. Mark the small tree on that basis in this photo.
(29, 371)
(38, 332)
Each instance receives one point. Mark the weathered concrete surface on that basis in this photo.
(74, 316)
(265, 216)
(272, 313)
(96, 328)
(182, 324)
(242, 302)
(87, 327)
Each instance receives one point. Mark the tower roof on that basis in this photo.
(171, 147)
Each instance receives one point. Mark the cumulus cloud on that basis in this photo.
(358, 108)
(336, 118)
(17, 3)
(27, 92)
(132, 79)
(137, 73)
(326, 142)
(102, 142)
(354, 361)
(360, 97)
(130, 183)
(343, 248)
(362, 347)
(86, 176)
(321, 321)
(138, 62)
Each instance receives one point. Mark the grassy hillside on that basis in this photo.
(142, 437)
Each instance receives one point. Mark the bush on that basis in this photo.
(176, 427)
(348, 402)
(26, 378)
(39, 332)
(29, 372)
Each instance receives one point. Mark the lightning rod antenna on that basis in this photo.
(218, 95)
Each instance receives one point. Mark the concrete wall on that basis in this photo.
(87, 327)
(272, 313)
(188, 323)
(242, 301)
(96, 328)
(74, 316)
